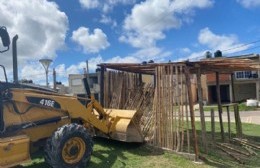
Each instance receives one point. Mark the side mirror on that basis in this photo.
(5, 38)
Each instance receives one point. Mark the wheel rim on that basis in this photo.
(73, 150)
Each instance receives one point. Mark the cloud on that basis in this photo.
(228, 44)
(220, 42)
(64, 71)
(91, 43)
(89, 4)
(195, 56)
(249, 3)
(34, 71)
(184, 50)
(149, 19)
(108, 20)
(39, 36)
(154, 53)
(106, 6)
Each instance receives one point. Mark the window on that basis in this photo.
(76, 82)
(247, 74)
(243, 74)
(239, 75)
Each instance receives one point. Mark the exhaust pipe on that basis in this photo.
(15, 67)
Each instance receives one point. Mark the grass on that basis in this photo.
(114, 154)
(218, 158)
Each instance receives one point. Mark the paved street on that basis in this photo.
(252, 117)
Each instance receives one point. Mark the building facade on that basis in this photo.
(77, 87)
(246, 84)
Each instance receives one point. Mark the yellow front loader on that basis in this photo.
(31, 116)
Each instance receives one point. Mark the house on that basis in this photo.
(246, 84)
(77, 87)
(62, 89)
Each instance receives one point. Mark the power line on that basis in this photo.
(248, 49)
(240, 46)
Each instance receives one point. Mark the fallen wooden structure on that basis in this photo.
(239, 149)
(165, 107)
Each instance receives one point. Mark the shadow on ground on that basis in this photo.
(110, 151)
(106, 153)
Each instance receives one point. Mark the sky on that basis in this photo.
(124, 31)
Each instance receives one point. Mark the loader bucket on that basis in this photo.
(125, 129)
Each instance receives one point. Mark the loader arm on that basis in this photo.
(72, 105)
(88, 115)
(114, 123)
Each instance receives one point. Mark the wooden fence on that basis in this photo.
(162, 110)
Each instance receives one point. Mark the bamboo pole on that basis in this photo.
(174, 110)
(231, 154)
(163, 112)
(102, 85)
(178, 108)
(234, 149)
(187, 120)
(171, 107)
(245, 142)
(182, 110)
(194, 134)
(233, 88)
(160, 107)
(238, 121)
(219, 106)
(167, 107)
(212, 124)
(229, 127)
(156, 141)
(202, 116)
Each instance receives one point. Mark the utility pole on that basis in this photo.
(87, 66)
(54, 79)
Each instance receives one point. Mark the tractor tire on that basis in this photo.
(69, 147)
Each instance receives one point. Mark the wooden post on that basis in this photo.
(202, 116)
(238, 121)
(102, 85)
(219, 106)
(194, 134)
(140, 80)
(154, 81)
(229, 129)
(236, 110)
(182, 108)
(187, 120)
(178, 109)
(212, 124)
(233, 89)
